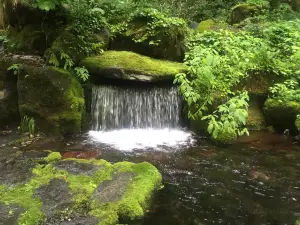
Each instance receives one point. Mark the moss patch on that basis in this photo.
(282, 114)
(53, 97)
(131, 66)
(205, 25)
(144, 179)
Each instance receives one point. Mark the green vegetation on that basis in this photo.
(231, 48)
(28, 125)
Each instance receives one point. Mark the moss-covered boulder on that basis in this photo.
(131, 66)
(99, 193)
(206, 25)
(243, 11)
(282, 114)
(9, 111)
(76, 48)
(151, 33)
(30, 39)
(53, 97)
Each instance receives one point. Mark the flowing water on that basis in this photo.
(253, 182)
(116, 107)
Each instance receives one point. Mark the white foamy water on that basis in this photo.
(131, 139)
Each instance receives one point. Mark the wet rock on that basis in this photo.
(81, 155)
(74, 167)
(16, 172)
(9, 214)
(88, 220)
(113, 190)
(56, 197)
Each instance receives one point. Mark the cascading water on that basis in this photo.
(137, 118)
(115, 108)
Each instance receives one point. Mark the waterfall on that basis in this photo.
(144, 107)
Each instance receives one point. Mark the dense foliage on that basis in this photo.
(265, 42)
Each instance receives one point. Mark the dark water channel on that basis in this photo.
(253, 182)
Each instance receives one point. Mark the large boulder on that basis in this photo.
(282, 114)
(53, 97)
(9, 111)
(101, 193)
(243, 11)
(131, 66)
(150, 33)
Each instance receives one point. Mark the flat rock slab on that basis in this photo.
(113, 190)
(56, 197)
(88, 220)
(16, 171)
(77, 168)
(9, 214)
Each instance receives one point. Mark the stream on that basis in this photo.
(253, 182)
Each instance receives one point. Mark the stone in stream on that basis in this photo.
(76, 191)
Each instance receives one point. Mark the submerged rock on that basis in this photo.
(53, 97)
(58, 194)
(131, 66)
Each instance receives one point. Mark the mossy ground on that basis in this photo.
(132, 204)
(133, 63)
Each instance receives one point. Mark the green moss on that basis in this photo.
(225, 138)
(282, 114)
(132, 63)
(136, 199)
(297, 122)
(242, 11)
(205, 25)
(53, 156)
(53, 97)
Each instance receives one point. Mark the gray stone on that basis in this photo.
(112, 190)
(16, 171)
(9, 214)
(88, 220)
(56, 197)
(74, 167)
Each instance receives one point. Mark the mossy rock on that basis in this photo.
(297, 122)
(225, 138)
(105, 196)
(153, 34)
(73, 46)
(53, 97)
(9, 110)
(282, 114)
(206, 25)
(131, 66)
(30, 39)
(243, 11)
(256, 117)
